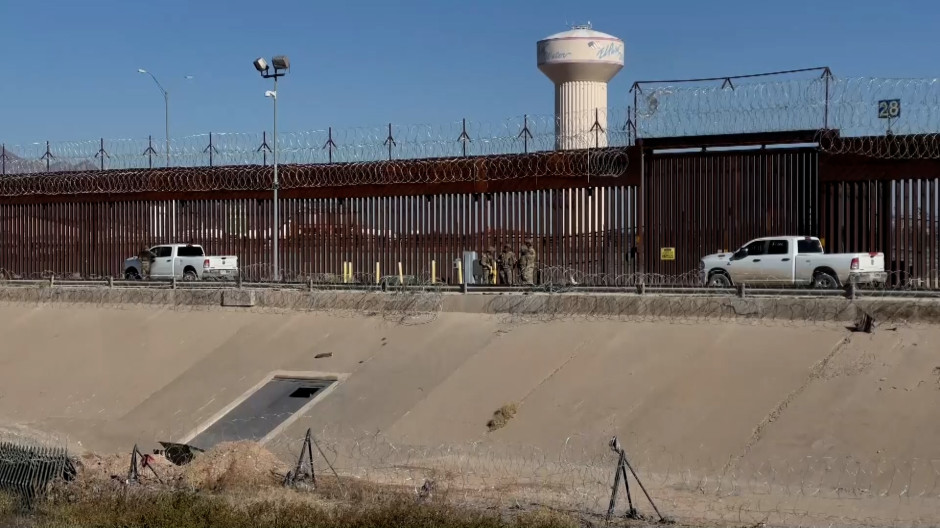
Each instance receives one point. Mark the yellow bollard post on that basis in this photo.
(349, 274)
(459, 272)
(378, 274)
(493, 278)
(401, 275)
(433, 272)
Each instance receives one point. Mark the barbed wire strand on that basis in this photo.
(679, 300)
(849, 105)
(352, 150)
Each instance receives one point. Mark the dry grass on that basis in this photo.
(8, 505)
(238, 486)
(502, 416)
(233, 466)
(140, 507)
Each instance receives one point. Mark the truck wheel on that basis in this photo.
(719, 280)
(190, 275)
(825, 281)
(131, 274)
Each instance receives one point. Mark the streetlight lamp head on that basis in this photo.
(141, 70)
(261, 65)
(281, 62)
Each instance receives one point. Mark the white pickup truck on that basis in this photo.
(791, 260)
(183, 261)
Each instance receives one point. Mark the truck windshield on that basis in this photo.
(809, 246)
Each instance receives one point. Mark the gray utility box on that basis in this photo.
(471, 267)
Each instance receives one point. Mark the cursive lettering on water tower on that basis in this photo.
(610, 51)
(548, 54)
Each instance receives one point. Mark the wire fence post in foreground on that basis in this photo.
(138, 458)
(623, 464)
(620, 474)
(132, 474)
(303, 470)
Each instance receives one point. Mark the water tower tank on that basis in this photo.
(580, 62)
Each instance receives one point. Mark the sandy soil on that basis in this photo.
(788, 423)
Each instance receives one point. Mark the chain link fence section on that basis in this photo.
(855, 106)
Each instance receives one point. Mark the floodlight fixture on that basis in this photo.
(281, 62)
(261, 65)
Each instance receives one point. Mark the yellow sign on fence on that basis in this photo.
(667, 253)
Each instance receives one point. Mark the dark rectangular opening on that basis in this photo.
(304, 392)
(260, 413)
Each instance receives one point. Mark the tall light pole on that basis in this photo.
(281, 64)
(166, 107)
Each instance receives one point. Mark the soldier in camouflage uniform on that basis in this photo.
(527, 263)
(522, 264)
(506, 264)
(146, 258)
(488, 264)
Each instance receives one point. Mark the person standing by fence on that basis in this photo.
(146, 258)
(527, 263)
(488, 265)
(507, 265)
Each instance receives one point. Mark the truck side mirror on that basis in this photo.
(739, 254)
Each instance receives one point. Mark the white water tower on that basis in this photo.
(580, 62)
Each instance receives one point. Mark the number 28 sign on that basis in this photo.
(889, 109)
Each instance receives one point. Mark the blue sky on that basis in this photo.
(71, 67)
